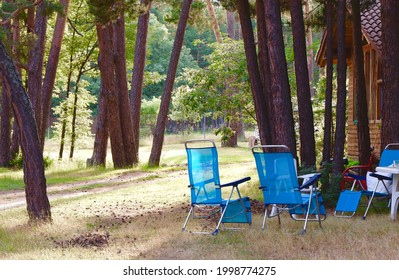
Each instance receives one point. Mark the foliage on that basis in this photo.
(18, 162)
(160, 42)
(64, 113)
(220, 90)
(149, 113)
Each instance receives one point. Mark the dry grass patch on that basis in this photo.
(143, 220)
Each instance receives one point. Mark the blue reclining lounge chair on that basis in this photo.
(206, 190)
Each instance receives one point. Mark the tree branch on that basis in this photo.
(18, 11)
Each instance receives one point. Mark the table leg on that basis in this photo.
(395, 197)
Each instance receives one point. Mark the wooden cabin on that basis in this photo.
(372, 46)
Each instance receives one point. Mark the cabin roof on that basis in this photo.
(371, 29)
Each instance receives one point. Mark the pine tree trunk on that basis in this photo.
(390, 73)
(101, 139)
(107, 69)
(5, 128)
(363, 131)
(327, 145)
(38, 205)
(36, 62)
(51, 69)
(73, 125)
(138, 73)
(309, 45)
(264, 63)
(122, 90)
(253, 70)
(340, 125)
(159, 132)
(215, 24)
(305, 112)
(282, 120)
(230, 18)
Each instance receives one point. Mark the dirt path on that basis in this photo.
(12, 199)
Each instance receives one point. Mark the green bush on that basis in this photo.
(18, 163)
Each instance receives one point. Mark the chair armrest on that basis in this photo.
(311, 181)
(356, 167)
(236, 183)
(380, 176)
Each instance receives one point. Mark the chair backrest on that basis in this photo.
(277, 175)
(203, 171)
(390, 153)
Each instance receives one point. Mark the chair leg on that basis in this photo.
(369, 204)
(264, 219)
(188, 218)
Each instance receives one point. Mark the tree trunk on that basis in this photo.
(51, 69)
(101, 139)
(309, 44)
(282, 120)
(36, 62)
(123, 92)
(5, 128)
(138, 73)
(230, 18)
(340, 125)
(38, 205)
(215, 24)
(360, 87)
(390, 72)
(73, 125)
(167, 93)
(329, 85)
(264, 63)
(107, 69)
(305, 112)
(253, 71)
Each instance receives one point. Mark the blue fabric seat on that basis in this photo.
(206, 189)
(280, 187)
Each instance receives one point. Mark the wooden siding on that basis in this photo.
(374, 126)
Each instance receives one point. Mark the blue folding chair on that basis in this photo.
(279, 184)
(206, 190)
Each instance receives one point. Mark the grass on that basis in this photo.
(142, 219)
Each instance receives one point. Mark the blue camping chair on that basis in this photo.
(206, 190)
(279, 184)
(349, 199)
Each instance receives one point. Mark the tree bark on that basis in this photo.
(101, 139)
(341, 92)
(390, 72)
(309, 44)
(215, 24)
(51, 69)
(167, 93)
(38, 205)
(36, 62)
(282, 120)
(253, 71)
(138, 73)
(327, 145)
(363, 131)
(230, 18)
(305, 112)
(5, 128)
(107, 69)
(123, 92)
(264, 63)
